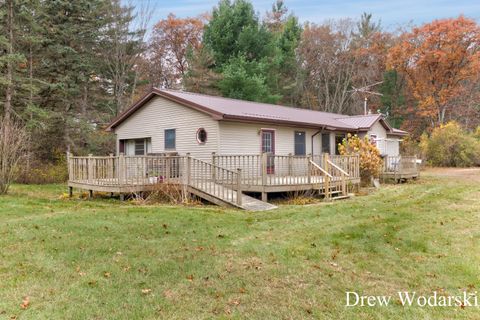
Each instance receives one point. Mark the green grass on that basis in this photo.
(81, 259)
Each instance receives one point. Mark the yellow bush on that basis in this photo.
(370, 160)
(451, 146)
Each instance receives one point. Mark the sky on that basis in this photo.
(391, 13)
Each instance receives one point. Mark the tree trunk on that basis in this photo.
(30, 72)
(9, 90)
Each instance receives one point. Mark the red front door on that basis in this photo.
(268, 147)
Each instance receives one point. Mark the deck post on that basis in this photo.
(309, 171)
(167, 169)
(69, 166)
(121, 169)
(327, 178)
(90, 194)
(111, 165)
(90, 168)
(189, 169)
(264, 196)
(214, 163)
(70, 192)
(344, 185)
(239, 186)
(264, 169)
(290, 162)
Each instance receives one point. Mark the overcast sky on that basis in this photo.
(391, 13)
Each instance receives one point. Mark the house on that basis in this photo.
(177, 122)
(226, 151)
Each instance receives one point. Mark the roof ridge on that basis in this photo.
(247, 101)
(360, 115)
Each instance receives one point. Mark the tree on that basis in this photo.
(122, 44)
(366, 27)
(233, 30)
(437, 60)
(284, 67)
(328, 66)
(10, 60)
(275, 19)
(172, 39)
(13, 147)
(245, 80)
(201, 76)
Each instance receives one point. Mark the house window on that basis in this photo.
(325, 142)
(300, 143)
(140, 147)
(135, 147)
(338, 141)
(373, 139)
(201, 136)
(170, 137)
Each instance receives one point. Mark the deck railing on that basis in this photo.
(224, 177)
(125, 170)
(269, 170)
(212, 179)
(400, 165)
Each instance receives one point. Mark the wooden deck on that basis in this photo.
(400, 168)
(221, 180)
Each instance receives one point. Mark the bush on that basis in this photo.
(370, 160)
(13, 149)
(44, 173)
(451, 146)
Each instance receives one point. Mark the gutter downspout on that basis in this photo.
(316, 133)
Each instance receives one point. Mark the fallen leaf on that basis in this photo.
(190, 277)
(25, 303)
(235, 302)
(107, 274)
(146, 291)
(168, 294)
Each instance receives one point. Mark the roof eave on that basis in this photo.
(286, 122)
(155, 92)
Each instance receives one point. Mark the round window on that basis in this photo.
(201, 135)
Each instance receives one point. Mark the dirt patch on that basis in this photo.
(468, 174)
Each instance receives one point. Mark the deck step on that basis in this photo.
(252, 204)
(340, 197)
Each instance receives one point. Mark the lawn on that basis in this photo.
(104, 259)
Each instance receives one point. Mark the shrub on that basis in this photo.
(370, 160)
(451, 146)
(13, 150)
(44, 173)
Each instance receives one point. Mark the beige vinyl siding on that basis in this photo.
(244, 138)
(386, 145)
(159, 114)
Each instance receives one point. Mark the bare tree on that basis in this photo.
(328, 64)
(13, 149)
(123, 47)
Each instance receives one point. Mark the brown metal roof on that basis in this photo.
(361, 122)
(398, 132)
(232, 109)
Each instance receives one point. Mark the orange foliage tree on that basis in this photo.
(437, 59)
(172, 38)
